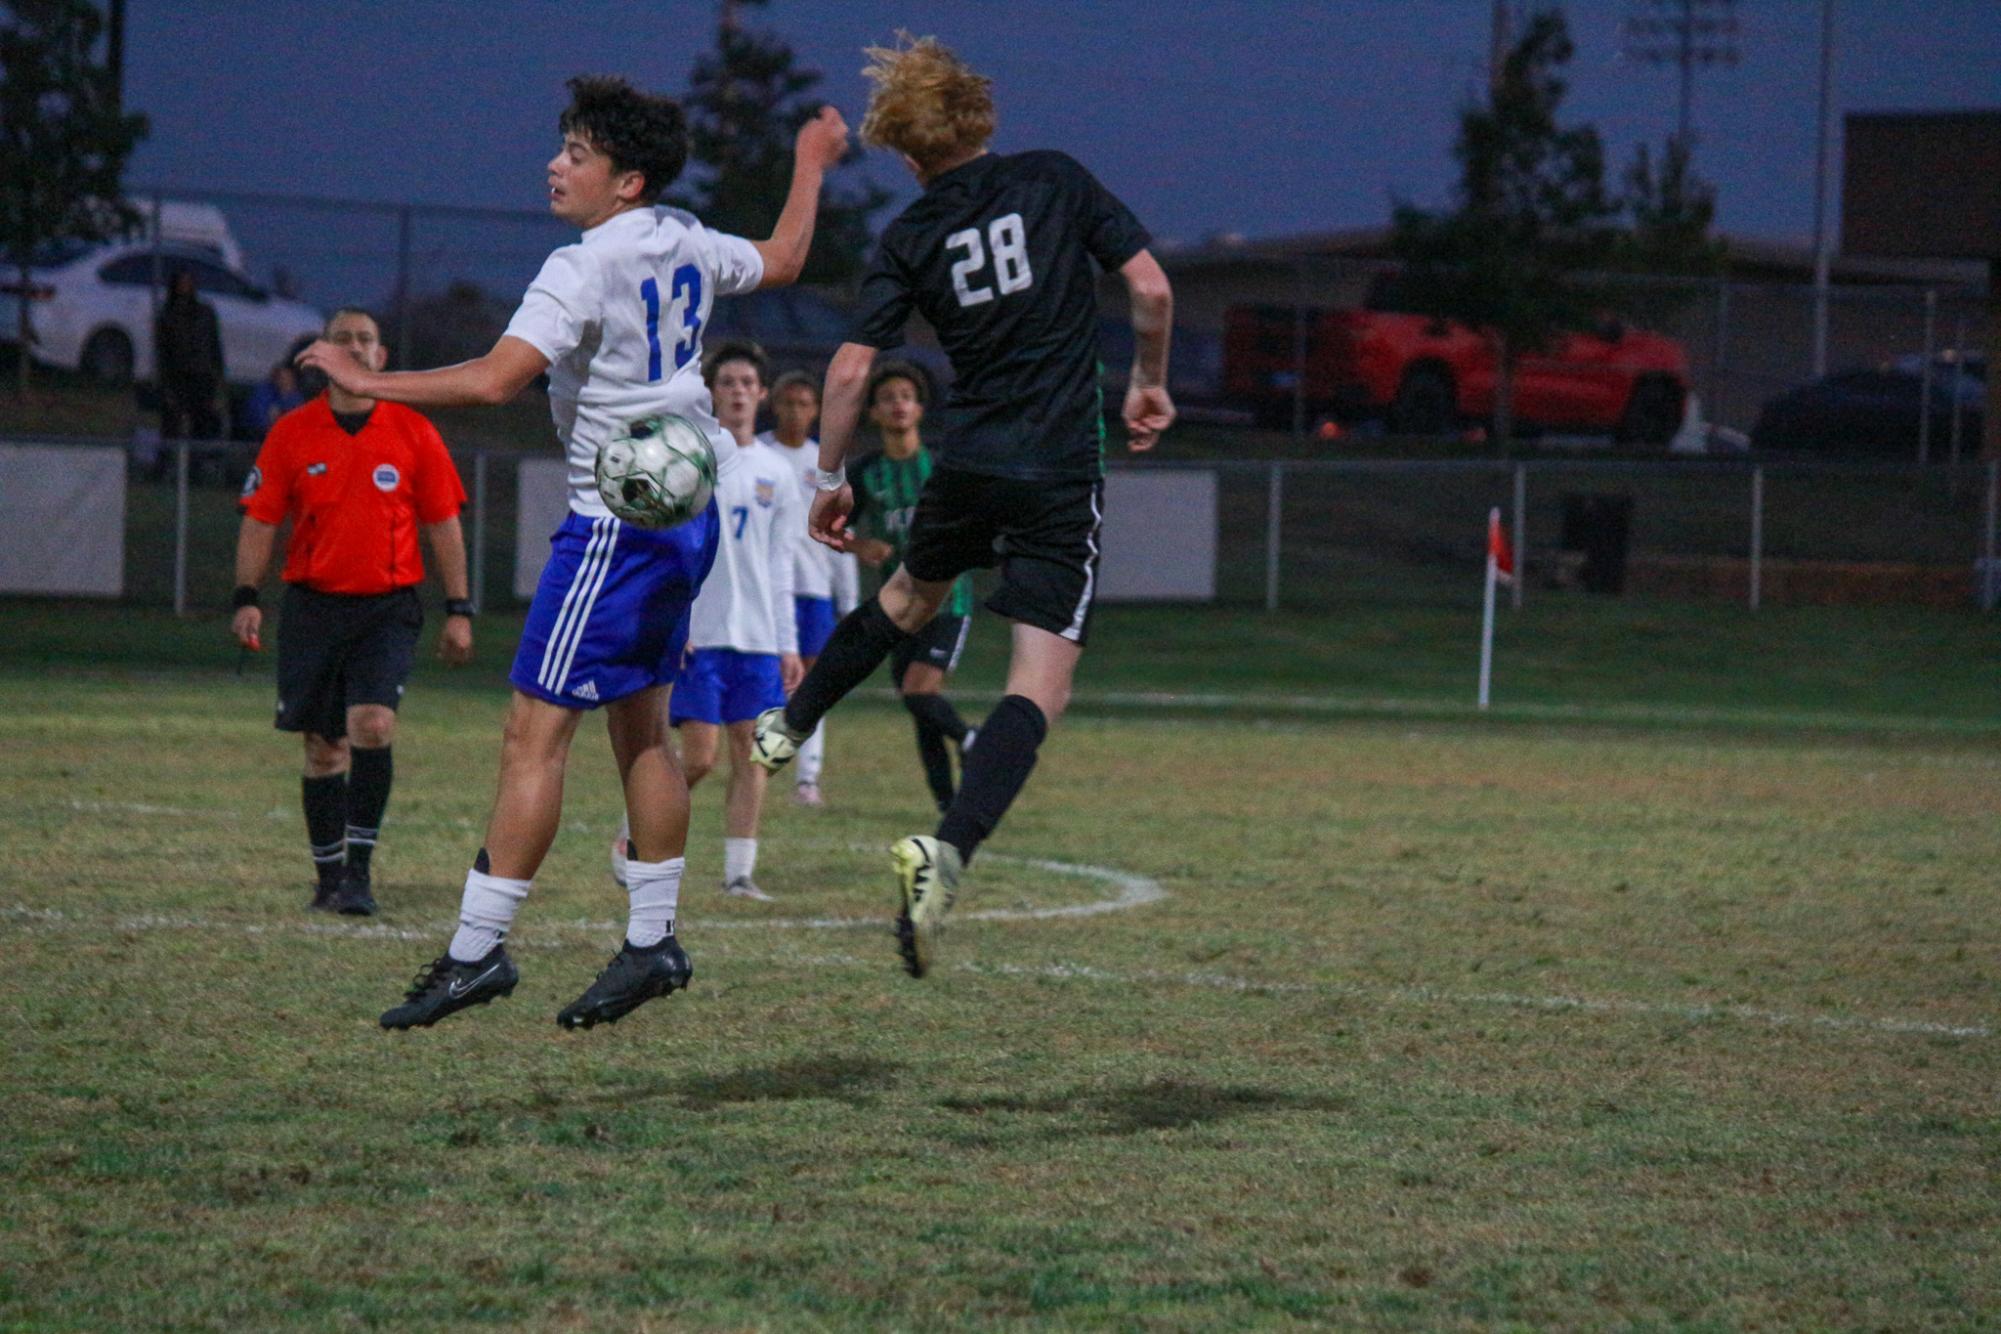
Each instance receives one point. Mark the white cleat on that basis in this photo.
(774, 744)
(743, 887)
(927, 880)
(808, 794)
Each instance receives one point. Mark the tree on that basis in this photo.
(1669, 214)
(746, 101)
(64, 140)
(1531, 217)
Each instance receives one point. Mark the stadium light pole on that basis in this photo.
(1823, 258)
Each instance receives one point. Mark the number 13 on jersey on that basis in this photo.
(1008, 240)
(685, 310)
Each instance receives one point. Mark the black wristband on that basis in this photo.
(459, 607)
(244, 596)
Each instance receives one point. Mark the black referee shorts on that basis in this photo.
(337, 650)
(1042, 534)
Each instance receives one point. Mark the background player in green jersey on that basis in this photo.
(886, 486)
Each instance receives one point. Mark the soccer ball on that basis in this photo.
(657, 472)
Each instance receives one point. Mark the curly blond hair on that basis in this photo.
(927, 104)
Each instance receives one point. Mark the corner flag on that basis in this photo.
(1500, 570)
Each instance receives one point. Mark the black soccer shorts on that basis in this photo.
(336, 651)
(1043, 534)
(938, 644)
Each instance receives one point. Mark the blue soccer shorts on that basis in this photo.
(815, 619)
(721, 685)
(610, 616)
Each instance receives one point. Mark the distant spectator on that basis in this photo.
(187, 353)
(277, 395)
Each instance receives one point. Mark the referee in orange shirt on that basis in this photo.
(357, 478)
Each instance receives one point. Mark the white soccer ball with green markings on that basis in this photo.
(657, 472)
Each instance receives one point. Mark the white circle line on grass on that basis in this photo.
(546, 935)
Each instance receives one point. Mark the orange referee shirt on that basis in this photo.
(355, 501)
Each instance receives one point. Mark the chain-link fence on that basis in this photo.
(1333, 535)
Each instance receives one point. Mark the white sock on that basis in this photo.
(739, 859)
(486, 910)
(812, 755)
(655, 891)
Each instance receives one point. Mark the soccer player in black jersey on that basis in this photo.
(1001, 255)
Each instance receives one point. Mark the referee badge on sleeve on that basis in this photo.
(386, 477)
(253, 482)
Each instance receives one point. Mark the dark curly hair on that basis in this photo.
(637, 131)
(735, 349)
(899, 370)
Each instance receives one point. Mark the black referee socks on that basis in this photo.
(326, 823)
(995, 770)
(368, 781)
(857, 647)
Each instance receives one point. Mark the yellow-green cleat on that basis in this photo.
(774, 744)
(927, 880)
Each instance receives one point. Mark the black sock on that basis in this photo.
(931, 751)
(937, 711)
(367, 797)
(995, 772)
(857, 647)
(326, 823)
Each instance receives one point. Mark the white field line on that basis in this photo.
(556, 935)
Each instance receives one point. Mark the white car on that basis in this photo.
(92, 311)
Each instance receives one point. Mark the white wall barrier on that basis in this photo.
(62, 511)
(1159, 535)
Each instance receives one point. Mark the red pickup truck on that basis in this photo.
(1427, 376)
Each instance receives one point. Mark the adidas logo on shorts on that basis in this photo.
(588, 690)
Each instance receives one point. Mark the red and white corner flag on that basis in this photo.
(1500, 554)
(1500, 569)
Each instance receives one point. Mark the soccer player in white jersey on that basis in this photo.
(826, 584)
(616, 320)
(745, 655)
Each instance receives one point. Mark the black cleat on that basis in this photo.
(633, 977)
(353, 898)
(324, 894)
(446, 986)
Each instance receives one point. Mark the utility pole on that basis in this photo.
(114, 53)
(1686, 34)
(1823, 249)
(1497, 46)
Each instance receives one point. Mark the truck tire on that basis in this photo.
(1653, 413)
(107, 357)
(1426, 402)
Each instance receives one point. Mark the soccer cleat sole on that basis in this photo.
(488, 999)
(921, 914)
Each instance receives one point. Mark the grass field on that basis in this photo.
(1666, 998)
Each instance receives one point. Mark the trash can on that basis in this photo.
(1600, 527)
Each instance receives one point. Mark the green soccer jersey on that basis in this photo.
(886, 491)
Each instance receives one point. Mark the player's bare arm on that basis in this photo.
(1148, 409)
(255, 541)
(840, 414)
(821, 144)
(482, 382)
(448, 548)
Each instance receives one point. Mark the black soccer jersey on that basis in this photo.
(997, 255)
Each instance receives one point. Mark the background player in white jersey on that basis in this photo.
(616, 320)
(826, 584)
(745, 655)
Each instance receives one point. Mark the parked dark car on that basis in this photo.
(1874, 412)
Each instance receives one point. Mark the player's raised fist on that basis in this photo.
(823, 140)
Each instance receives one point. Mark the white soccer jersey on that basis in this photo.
(746, 602)
(620, 316)
(821, 571)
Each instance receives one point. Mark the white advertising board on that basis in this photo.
(63, 511)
